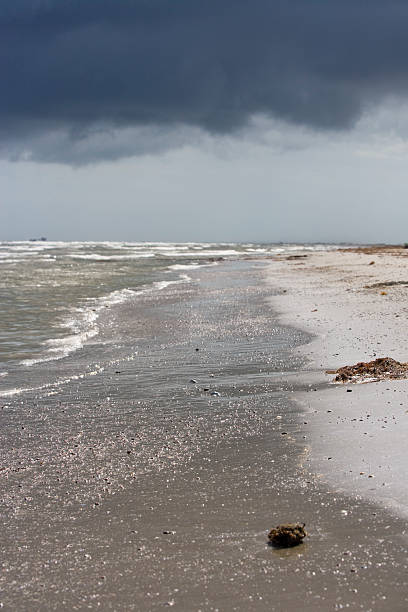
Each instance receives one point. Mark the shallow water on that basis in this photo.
(54, 295)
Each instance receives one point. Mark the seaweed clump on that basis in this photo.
(379, 369)
(287, 535)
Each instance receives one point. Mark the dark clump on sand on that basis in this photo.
(380, 369)
(287, 535)
(402, 283)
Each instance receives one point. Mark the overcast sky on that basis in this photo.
(260, 120)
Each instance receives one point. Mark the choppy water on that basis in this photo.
(52, 294)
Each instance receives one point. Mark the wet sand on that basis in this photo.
(134, 488)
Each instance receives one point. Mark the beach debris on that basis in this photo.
(215, 393)
(193, 380)
(287, 535)
(168, 532)
(382, 368)
(383, 284)
(371, 263)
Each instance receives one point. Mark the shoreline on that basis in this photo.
(353, 302)
(138, 488)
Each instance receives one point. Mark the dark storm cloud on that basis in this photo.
(75, 64)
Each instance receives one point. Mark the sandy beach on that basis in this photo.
(152, 482)
(354, 302)
(203, 310)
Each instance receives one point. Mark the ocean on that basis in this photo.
(55, 296)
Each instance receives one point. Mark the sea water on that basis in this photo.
(53, 295)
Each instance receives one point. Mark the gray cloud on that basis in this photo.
(80, 72)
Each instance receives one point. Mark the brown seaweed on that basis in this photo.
(382, 368)
(287, 535)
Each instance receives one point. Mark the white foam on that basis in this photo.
(14, 391)
(58, 348)
(115, 297)
(163, 284)
(203, 253)
(53, 385)
(192, 266)
(15, 255)
(170, 248)
(83, 322)
(97, 257)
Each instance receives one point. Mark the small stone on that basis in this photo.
(215, 393)
(192, 380)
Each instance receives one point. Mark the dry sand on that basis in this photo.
(355, 302)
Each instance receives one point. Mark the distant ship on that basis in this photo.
(42, 239)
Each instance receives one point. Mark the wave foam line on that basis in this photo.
(53, 385)
(83, 321)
